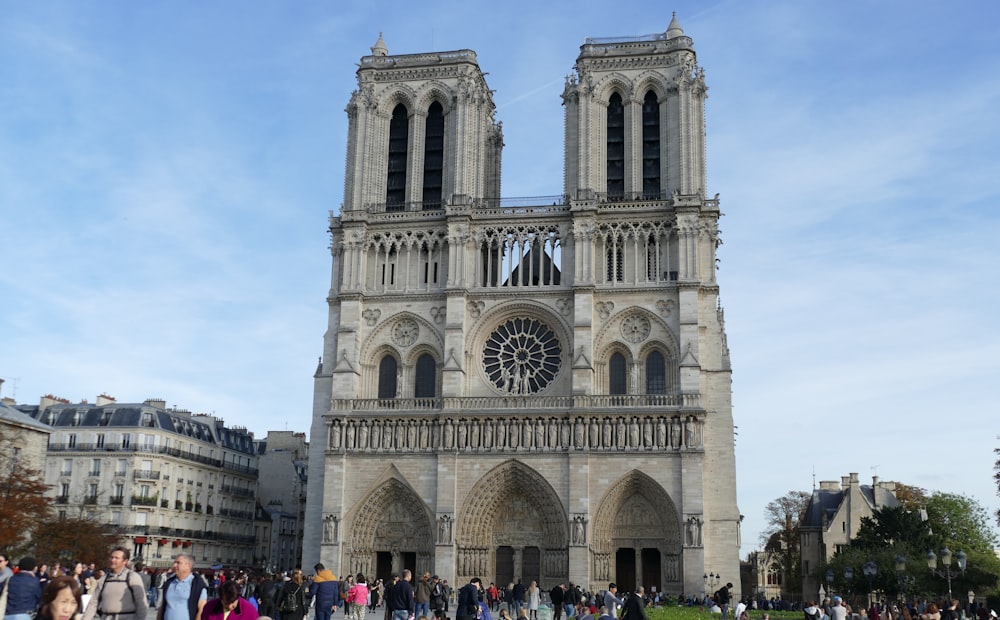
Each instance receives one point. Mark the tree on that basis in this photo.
(996, 477)
(890, 525)
(781, 539)
(22, 499)
(74, 539)
(911, 498)
(960, 521)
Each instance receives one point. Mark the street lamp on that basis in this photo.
(829, 581)
(711, 580)
(946, 571)
(849, 578)
(900, 577)
(870, 570)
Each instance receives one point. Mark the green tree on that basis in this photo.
(961, 521)
(781, 539)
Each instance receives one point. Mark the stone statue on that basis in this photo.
(363, 436)
(633, 433)
(424, 439)
(689, 432)
(449, 434)
(661, 433)
(488, 434)
(349, 444)
(335, 435)
(331, 527)
(675, 432)
(579, 530)
(578, 433)
(620, 434)
(540, 434)
(444, 529)
(694, 532)
(411, 434)
(463, 434)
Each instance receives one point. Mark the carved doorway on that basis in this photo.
(531, 565)
(638, 523)
(505, 565)
(391, 528)
(507, 514)
(625, 569)
(651, 570)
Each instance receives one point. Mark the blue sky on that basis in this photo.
(166, 170)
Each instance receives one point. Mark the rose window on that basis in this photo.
(522, 356)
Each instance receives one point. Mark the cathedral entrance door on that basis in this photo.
(383, 566)
(409, 559)
(505, 565)
(625, 568)
(651, 577)
(531, 565)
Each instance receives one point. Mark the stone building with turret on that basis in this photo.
(534, 389)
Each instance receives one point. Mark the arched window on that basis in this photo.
(656, 373)
(426, 378)
(433, 156)
(650, 146)
(387, 377)
(616, 147)
(617, 383)
(399, 134)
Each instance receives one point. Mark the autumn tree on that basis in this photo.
(781, 538)
(22, 499)
(80, 538)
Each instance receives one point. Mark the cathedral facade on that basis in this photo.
(526, 389)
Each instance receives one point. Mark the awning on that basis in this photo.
(140, 540)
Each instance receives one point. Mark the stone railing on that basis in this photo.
(524, 431)
(395, 406)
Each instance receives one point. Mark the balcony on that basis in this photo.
(62, 499)
(139, 500)
(66, 474)
(90, 500)
(95, 474)
(145, 474)
(118, 501)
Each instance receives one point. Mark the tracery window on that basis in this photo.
(433, 156)
(616, 148)
(521, 256)
(426, 377)
(650, 146)
(522, 356)
(387, 377)
(399, 130)
(656, 373)
(617, 375)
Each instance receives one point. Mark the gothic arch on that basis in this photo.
(494, 494)
(609, 336)
(612, 83)
(381, 336)
(435, 91)
(401, 93)
(512, 505)
(650, 80)
(636, 508)
(390, 519)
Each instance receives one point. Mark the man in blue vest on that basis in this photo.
(185, 593)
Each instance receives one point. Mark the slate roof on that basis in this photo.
(12, 415)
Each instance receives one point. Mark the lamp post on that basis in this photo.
(870, 570)
(829, 581)
(711, 581)
(972, 602)
(848, 579)
(900, 577)
(946, 572)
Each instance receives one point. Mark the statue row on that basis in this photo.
(596, 433)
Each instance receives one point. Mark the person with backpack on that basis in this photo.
(120, 595)
(358, 597)
(292, 598)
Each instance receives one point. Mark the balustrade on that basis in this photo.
(474, 432)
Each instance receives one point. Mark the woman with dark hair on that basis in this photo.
(230, 605)
(61, 599)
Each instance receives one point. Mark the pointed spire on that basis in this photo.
(379, 49)
(674, 30)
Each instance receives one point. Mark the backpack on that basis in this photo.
(291, 603)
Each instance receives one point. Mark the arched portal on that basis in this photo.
(391, 531)
(512, 526)
(637, 536)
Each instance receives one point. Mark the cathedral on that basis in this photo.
(526, 389)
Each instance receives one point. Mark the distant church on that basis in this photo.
(529, 389)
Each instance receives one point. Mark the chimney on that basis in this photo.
(874, 481)
(104, 399)
(159, 403)
(828, 485)
(854, 477)
(845, 482)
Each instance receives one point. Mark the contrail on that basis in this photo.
(530, 93)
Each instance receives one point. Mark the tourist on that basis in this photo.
(24, 594)
(120, 593)
(325, 592)
(401, 598)
(61, 600)
(292, 597)
(534, 597)
(467, 607)
(229, 605)
(359, 598)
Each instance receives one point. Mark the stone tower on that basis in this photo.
(534, 389)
